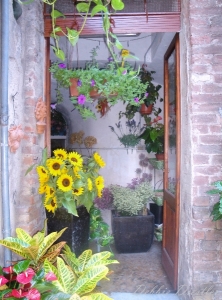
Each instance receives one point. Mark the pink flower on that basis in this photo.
(3, 280)
(32, 294)
(17, 293)
(146, 94)
(79, 82)
(26, 277)
(136, 99)
(50, 276)
(81, 99)
(8, 270)
(124, 72)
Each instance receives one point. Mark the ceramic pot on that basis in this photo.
(146, 110)
(159, 156)
(40, 128)
(74, 89)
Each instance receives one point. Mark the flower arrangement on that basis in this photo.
(69, 180)
(116, 81)
(131, 136)
(153, 135)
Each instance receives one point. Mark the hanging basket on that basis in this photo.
(146, 110)
(74, 89)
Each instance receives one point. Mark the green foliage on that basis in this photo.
(128, 201)
(217, 208)
(153, 136)
(81, 274)
(99, 230)
(114, 83)
(36, 248)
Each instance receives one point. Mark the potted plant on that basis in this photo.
(132, 223)
(157, 206)
(129, 137)
(115, 81)
(68, 184)
(153, 136)
(45, 273)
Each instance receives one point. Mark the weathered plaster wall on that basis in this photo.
(26, 85)
(201, 96)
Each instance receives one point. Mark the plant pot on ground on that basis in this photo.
(133, 228)
(77, 232)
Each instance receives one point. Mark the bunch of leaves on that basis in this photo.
(99, 230)
(128, 201)
(21, 281)
(217, 208)
(106, 201)
(153, 135)
(79, 276)
(130, 137)
(37, 248)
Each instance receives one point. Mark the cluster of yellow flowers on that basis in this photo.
(68, 180)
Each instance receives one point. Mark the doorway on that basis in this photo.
(156, 42)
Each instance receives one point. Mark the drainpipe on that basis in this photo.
(4, 126)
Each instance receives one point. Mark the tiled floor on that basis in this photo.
(137, 273)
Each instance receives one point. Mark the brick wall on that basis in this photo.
(26, 82)
(201, 96)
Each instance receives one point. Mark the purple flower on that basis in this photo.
(110, 59)
(93, 83)
(124, 72)
(53, 105)
(81, 99)
(146, 94)
(62, 66)
(79, 83)
(136, 99)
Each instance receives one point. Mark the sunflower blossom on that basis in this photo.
(54, 165)
(89, 182)
(52, 206)
(100, 182)
(60, 153)
(65, 182)
(78, 191)
(43, 174)
(75, 159)
(99, 160)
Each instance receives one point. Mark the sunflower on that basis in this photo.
(76, 170)
(43, 174)
(52, 206)
(125, 53)
(99, 160)
(42, 188)
(99, 182)
(49, 192)
(54, 166)
(60, 153)
(89, 182)
(78, 191)
(99, 193)
(65, 182)
(75, 159)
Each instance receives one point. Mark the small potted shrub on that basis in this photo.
(132, 223)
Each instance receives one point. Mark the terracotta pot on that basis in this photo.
(159, 156)
(40, 128)
(146, 110)
(74, 89)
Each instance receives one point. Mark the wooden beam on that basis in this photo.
(133, 23)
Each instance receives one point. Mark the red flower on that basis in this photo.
(26, 277)
(32, 294)
(3, 280)
(17, 293)
(50, 276)
(8, 270)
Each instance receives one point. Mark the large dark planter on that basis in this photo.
(77, 233)
(133, 234)
(157, 211)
